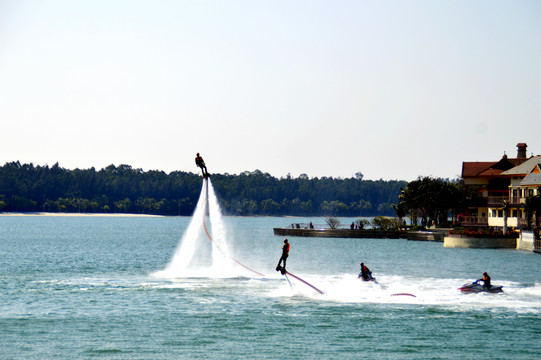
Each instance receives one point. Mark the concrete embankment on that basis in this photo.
(465, 241)
(341, 233)
(526, 241)
(361, 234)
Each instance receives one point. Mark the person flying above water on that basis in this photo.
(365, 273)
(201, 163)
(285, 254)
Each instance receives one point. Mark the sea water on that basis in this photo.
(116, 288)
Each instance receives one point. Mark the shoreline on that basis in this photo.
(76, 214)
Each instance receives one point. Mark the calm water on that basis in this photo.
(86, 287)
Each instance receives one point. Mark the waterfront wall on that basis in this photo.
(525, 241)
(463, 241)
(426, 235)
(341, 233)
(363, 233)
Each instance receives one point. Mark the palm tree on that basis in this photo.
(401, 211)
(537, 208)
(529, 206)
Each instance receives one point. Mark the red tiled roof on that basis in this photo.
(471, 169)
(491, 172)
(489, 168)
(517, 161)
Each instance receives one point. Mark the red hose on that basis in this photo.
(210, 238)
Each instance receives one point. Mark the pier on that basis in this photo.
(305, 231)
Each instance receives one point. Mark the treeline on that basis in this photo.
(432, 201)
(123, 189)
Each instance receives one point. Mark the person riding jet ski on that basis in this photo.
(475, 287)
(486, 280)
(365, 274)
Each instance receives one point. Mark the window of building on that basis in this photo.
(500, 213)
(514, 213)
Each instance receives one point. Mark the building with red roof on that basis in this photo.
(487, 186)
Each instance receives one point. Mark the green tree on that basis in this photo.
(26, 187)
(431, 199)
(269, 207)
(531, 206)
(384, 223)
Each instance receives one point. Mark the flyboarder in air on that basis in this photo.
(285, 254)
(201, 163)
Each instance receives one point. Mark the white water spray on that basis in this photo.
(194, 242)
(221, 258)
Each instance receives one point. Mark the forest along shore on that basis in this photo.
(123, 189)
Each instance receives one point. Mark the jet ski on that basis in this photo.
(368, 277)
(475, 287)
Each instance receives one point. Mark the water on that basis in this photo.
(118, 288)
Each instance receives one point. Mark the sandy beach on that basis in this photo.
(75, 214)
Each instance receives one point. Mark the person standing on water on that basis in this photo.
(201, 163)
(283, 258)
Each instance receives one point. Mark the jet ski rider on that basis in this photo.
(486, 280)
(365, 274)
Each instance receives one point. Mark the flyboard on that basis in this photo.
(212, 241)
(286, 273)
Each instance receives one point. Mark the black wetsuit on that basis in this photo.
(486, 281)
(365, 274)
(199, 162)
(285, 254)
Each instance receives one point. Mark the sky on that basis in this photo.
(392, 89)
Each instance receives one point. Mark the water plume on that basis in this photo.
(194, 256)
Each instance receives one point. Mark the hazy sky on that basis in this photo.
(393, 89)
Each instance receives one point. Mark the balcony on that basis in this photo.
(497, 201)
(474, 221)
